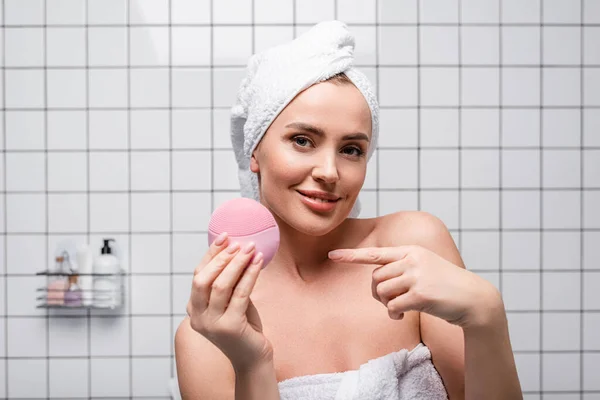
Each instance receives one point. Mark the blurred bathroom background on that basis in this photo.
(115, 124)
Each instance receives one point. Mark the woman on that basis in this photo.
(340, 292)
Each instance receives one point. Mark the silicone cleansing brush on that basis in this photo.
(246, 220)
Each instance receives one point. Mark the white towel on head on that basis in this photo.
(277, 75)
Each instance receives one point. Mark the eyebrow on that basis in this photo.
(319, 132)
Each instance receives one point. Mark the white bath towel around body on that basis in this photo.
(401, 375)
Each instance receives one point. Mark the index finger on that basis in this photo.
(369, 255)
(215, 248)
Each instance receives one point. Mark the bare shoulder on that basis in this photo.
(203, 371)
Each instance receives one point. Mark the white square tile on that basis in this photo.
(25, 254)
(190, 45)
(23, 12)
(397, 45)
(561, 250)
(443, 204)
(480, 128)
(150, 295)
(393, 11)
(591, 209)
(520, 86)
(67, 213)
(109, 336)
(591, 45)
(398, 128)
(391, 202)
(398, 86)
(591, 374)
(591, 168)
(150, 253)
(439, 168)
(561, 127)
(481, 250)
(20, 295)
(188, 250)
(192, 170)
(561, 290)
(561, 209)
(66, 88)
(232, 44)
(232, 12)
(65, 12)
(150, 129)
(492, 277)
(479, 45)
(150, 212)
(561, 372)
(107, 46)
(150, 170)
(562, 45)
(157, 344)
(192, 87)
(434, 11)
(515, 11)
(591, 11)
(438, 44)
(591, 296)
(24, 88)
(109, 171)
(191, 129)
(520, 45)
(149, 46)
(25, 213)
(404, 161)
(524, 330)
(591, 127)
(591, 327)
(110, 377)
(68, 337)
(561, 11)
(69, 377)
(191, 211)
(226, 82)
(591, 83)
(479, 11)
(439, 128)
(561, 331)
(149, 12)
(365, 45)
(480, 87)
(148, 376)
(66, 47)
(439, 86)
(150, 87)
(371, 175)
(67, 171)
(67, 130)
(520, 127)
(356, 11)
(108, 88)
(25, 171)
(225, 170)
(562, 168)
(107, 12)
(266, 37)
(521, 290)
(591, 251)
(181, 289)
(23, 336)
(480, 168)
(314, 11)
(108, 129)
(480, 209)
(109, 212)
(27, 378)
(520, 209)
(23, 47)
(3, 304)
(369, 204)
(24, 130)
(561, 87)
(273, 11)
(521, 168)
(2, 348)
(2, 187)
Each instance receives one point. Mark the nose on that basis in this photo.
(326, 169)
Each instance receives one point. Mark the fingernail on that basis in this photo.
(257, 258)
(248, 248)
(233, 247)
(221, 239)
(335, 254)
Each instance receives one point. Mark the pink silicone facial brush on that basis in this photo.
(246, 220)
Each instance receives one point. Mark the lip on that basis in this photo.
(316, 205)
(319, 195)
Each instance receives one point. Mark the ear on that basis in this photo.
(254, 164)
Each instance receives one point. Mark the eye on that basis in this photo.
(358, 151)
(301, 140)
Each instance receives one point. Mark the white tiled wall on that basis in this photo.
(115, 124)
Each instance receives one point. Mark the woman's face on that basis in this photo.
(318, 143)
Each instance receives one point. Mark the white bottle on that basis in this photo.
(106, 279)
(85, 267)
